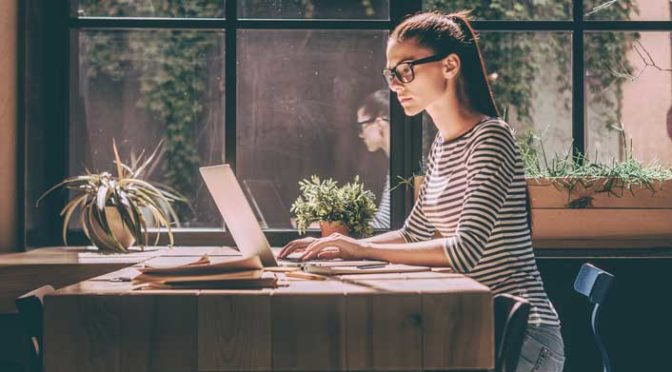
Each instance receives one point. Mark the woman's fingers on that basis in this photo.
(286, 250)
(295, 245)
(329, 253)
(318, 246)
(313, 249)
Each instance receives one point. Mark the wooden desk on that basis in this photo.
(414, 321)
(60, 266)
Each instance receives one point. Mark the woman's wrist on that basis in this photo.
(366, 250)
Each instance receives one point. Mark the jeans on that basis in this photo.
(543, 350)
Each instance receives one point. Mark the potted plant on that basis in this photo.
(576, 198)
(113, 210)
(415, 181)
(347, 210)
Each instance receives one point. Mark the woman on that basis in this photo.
(474, 192)
(374, 130)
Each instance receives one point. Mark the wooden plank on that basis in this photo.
(308, 332)
(601, 223)
(121, 333)
(169, 325)
(458, 332)
(454, 285)
(82, 334)
(359, 332)
(234, 332)
(397, 332)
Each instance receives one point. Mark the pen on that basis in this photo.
(371, 266)
(303, 275)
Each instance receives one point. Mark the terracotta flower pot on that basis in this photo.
(329, 227)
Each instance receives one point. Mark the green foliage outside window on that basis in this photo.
(516, 58)
(171, 64)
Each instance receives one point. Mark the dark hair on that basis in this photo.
(377, 104)
(453, 33)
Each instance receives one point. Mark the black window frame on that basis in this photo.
(406, 132)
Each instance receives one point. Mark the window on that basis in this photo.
(274, 87)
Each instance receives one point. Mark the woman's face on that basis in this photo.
(371, 130)
(429, 83)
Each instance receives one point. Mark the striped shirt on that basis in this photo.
(474, 196)
(382, 218)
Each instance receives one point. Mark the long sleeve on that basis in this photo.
(417, 227)
(490, 172)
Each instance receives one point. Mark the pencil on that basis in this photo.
(304, 275)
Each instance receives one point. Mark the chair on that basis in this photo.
(511, 314)
(594, 283)
(30, 312)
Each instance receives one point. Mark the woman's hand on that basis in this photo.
(333, 246)
(297, 245)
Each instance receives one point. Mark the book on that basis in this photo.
(200, 265)
(227, 284)
(231, 280)
(204, 273)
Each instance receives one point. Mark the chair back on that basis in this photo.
(511, 315)
(594, 283)
(30, 307)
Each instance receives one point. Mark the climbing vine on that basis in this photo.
(514, 59)
(171, 66)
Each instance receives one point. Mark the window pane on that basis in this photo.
(314, 9)
(625, 10)
(298, 96)
(505, 10)
(141, 87)
(628, 95)
(149, 8)
(530, 74)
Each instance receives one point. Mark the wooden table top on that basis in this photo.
(430, 320)
(436, 281)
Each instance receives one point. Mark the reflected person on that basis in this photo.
(374, 129)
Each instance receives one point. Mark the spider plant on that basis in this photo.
(103, 199)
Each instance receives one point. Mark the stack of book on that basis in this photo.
(204, 273)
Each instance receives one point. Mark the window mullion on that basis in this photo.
(405, 133)
(578, 88)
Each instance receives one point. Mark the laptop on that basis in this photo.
(241, 221)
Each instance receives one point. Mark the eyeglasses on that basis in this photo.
(365, 123)
(403, 71)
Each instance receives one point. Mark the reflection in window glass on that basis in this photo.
(299, 93)
(505, 10)
(314, 9)
(626, 10)
(628, 95)
(141, 87)
(149, 8)
(531, 81)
